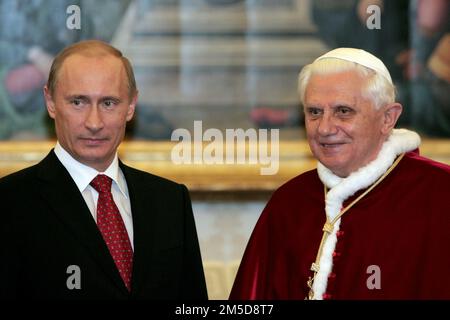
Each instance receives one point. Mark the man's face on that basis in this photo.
(345, 131)
(90, 106)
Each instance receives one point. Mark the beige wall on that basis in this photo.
(224, 228)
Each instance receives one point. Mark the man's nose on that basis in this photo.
(326, 125)
(94, 120)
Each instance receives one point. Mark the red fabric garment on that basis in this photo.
(402, 226)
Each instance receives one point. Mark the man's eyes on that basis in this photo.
(338, 111)
(76, 102)
(106, 103)
(110, 103)
(343, 110)
(314, 111)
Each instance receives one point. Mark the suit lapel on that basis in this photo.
(144, 212)
(63, 196)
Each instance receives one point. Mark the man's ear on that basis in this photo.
(132, 106)
(391, 113)
(49, 103)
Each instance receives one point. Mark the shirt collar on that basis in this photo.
(83, 174)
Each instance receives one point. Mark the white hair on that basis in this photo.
(377, 88)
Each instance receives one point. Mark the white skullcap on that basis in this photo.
(361, 57)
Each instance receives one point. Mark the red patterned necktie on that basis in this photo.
(113, 229)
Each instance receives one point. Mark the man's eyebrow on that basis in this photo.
(77, 97)
(343, 104)
(86, 98)
(113, 98)
(311, 106)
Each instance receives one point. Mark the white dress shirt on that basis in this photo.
(83, 175)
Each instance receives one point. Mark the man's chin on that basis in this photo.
(94, 159)
(337, 167)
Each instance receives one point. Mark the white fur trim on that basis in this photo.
(400, 141)
(326, 265)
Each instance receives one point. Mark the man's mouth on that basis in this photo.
(93, 141)
(331, 145)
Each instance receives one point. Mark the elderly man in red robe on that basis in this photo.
(373, 220)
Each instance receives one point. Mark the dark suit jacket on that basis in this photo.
(46, 226)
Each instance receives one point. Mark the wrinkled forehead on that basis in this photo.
(349, 81)
(344, 87)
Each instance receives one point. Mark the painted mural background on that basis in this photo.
(229, 63)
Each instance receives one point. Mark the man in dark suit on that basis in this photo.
(82, 225)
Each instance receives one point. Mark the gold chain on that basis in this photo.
(329, 225)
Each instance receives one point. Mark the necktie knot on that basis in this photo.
(101, 183)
